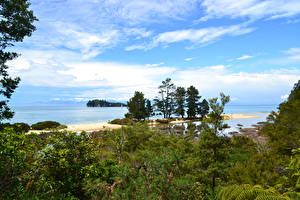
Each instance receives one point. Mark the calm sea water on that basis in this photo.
(82, 114)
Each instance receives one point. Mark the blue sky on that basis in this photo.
(85, 49)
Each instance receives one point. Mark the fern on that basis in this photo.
(248, 192)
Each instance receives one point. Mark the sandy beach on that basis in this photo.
(243, 116)
(92, 127)
(107, 126)
(99, 126)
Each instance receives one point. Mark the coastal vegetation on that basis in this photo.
(171, 100)
(103, 103)
(16, 22)
(47, 125)
(140, 162)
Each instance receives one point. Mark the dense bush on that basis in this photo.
(47, 125)
(21, 127)
(17, 127)
(139, 162)
(124, 121)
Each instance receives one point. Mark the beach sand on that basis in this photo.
(92, 127)
(106, 126)
(243, 116)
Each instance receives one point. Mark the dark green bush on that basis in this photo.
(17, 127)
(124, 121)
(21, 127)
(46, 125)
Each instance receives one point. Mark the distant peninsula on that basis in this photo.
(103, 103)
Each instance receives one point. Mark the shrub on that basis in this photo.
(46, 125)
(163, 121)
(21, 127)
(17, 127)
(123, 121)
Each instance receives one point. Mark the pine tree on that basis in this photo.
(136, 106)
(149, 108)
(192, 99)
(203, 108)
(283, 127)
(213, 145)
(180, 94)
(164, 103)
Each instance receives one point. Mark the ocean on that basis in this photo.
(82, 114)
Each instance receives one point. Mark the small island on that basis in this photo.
(103, 103)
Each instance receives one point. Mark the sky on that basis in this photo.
(108, 49)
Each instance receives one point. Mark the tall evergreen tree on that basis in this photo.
(165, 101)
(136, 106)
(192, 99)
(203, 108)
(213, 145)
(180, 94)
(283, 127)
(16, 22)
(149, 108)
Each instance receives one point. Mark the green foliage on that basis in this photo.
(157, 178)
(248, 192)
(142, 162)
(47, 125)
(192, 98)
(165, 102)
(137, 106)
(64, 164)
(17, 155)
(103, 103)
(203, 109)
(283, 128)
(16, 22)
(149, 109)
(291, 182)
(180, 94)
(124, 121)
(260, 169)
(213, 146)
(17, 127)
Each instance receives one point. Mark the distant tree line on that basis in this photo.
(103, 103)
(171, 100)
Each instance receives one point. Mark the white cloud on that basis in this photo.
(113, 74)
(135, 47)
(294, 53)
(141, 11)
(284, 97)
(138, 32)
(260, 87)
(188, 59)
(196, 36)
(90, 44)
(155, 64)
(18, 64)
(119, 81)
(251, 9)
(244, 57)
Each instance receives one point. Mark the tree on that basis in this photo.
(283, 127)
(180, 101)
(213, 145)
(165, 102)
(203, 108)
(192, 101)
(16, 23)
(136, 106)
(149, 108)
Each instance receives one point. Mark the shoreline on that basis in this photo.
(100, 126)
